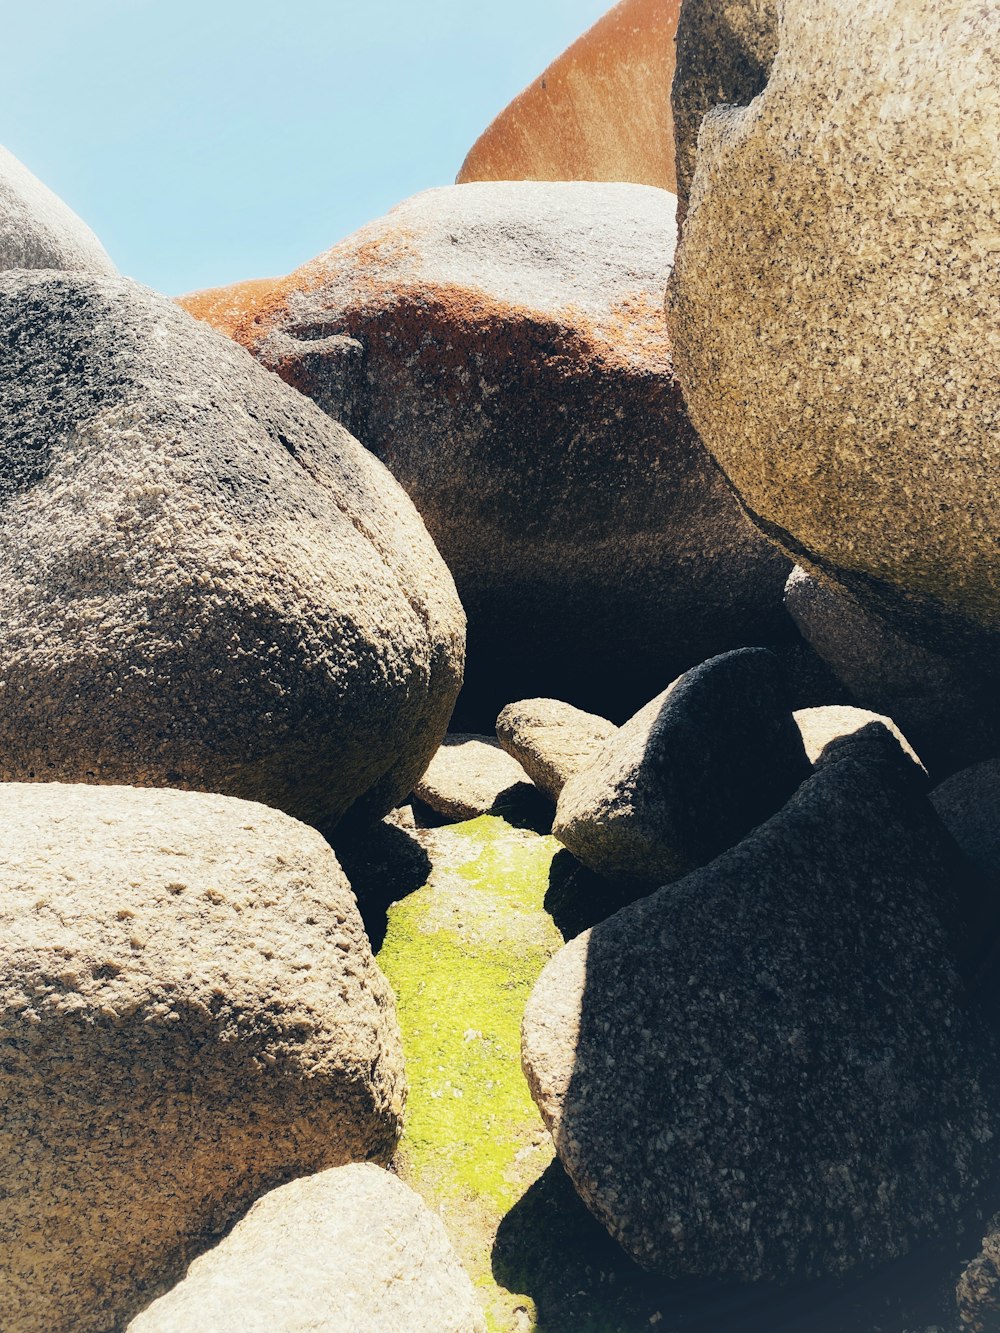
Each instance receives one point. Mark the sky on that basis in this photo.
(210, 142)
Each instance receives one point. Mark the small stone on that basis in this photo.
(470, 776)
(551, 740)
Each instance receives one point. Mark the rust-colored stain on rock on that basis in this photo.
(600, 112)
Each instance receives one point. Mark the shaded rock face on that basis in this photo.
(350, 1248)
(598, 113)
(551, 740)
(191, 1015)
(724, 54)
(502, 348)
(767, 1069)
(833, 308)
(204, 583)
(947, 704)
(968, 804)
(694, 771)
(37, 230)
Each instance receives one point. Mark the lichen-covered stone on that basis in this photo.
(37, 230)
(204, 582)
(597, 113)
(820, 726)
(502, 347)
(715, 754)
(834, 306)
(769, 1069)
(469, 776)
(551, 740)
(190, 1014)
(349, 1249)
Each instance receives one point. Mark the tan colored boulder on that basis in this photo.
(502, 347)
(834, 306)
(204, 582)
(469, 776)
(551, 740)
(820, 726)
(191, 1014)
(351, 1250)
(600, 112)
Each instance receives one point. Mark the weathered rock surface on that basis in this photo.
(715, 754)
(949, 708)
(598, 113)
(968, 804)
(978, 1290)
(502, 348)
(349, 1249)
(37, 230)
(469, 776)
(767, 1069)
(551, 740)
(191, 1014)
(204, 583)
(820, 726)
(834, 308)
(723, 56)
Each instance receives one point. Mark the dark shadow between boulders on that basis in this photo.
(577, 899)
(383, 864)
(524, 806)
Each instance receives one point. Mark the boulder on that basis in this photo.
(820, 726)
(37, 230)
(551, 740)
(723, 56)
(834, 308)
(714, 755)
(968, 804)
(469, 776)
(950, 708)
(204, 582)
(501, 346)
(598, 113)
(191, 1014)
(977, 1292)
(352, 1248)
(769, 1069)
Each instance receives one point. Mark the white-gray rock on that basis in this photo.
(37, 230)
(551, 740)
(352, 1250)
(820, 726)
(469, 776)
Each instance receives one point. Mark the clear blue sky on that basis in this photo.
(207, 141)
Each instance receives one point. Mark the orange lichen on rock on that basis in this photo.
(600, 112)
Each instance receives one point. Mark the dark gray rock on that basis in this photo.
(509, 362)
(694, 771)
(968, 804)
(724, 55)
(947, 707)
(204, 582)
(768, 1070)
(551, 740)
(37, 230)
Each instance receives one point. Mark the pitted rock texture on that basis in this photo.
(551, 740)
(204, 583)
(724, 53)
(968, 804)
(834, 306)
(820, 726)
(768, 1069)
(948, 705)
(351, 1250)
(37, 230)
(468, 777)
(191, 1015)
(502, 347)
(598, 113)
(978, 1290)
(715, 754)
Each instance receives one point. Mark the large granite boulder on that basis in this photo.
(204, 582)
(350, 1249)
(597, 113)
(724, 53)
(191, 1014)
(502, 347)
(768, 1069)
(37, 230)
(710, 758)
(551, 740)
(834, 308)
